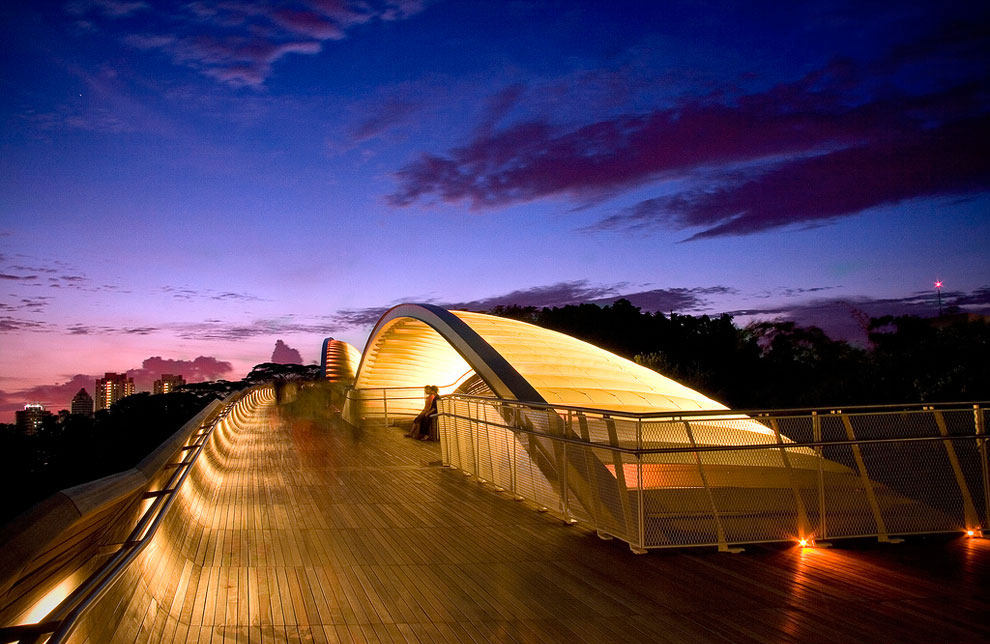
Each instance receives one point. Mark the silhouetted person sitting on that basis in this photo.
(421, 425)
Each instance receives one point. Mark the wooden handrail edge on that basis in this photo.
(29, 534)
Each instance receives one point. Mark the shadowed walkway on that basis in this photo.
(288, 531)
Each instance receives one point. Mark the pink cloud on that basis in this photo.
(801, 152)
(284, 354)
(533, 160)
(58, 396)
(307, 24)
(239, 42)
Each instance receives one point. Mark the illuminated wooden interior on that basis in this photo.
(416, 345)
(339, 361)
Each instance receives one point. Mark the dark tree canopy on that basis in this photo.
(780, 364)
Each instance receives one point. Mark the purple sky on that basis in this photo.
(184, 183)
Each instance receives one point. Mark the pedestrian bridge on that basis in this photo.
(262, 521)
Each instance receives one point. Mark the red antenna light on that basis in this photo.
(938, 284)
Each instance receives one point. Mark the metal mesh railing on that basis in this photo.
(381, 405)
(727, 477)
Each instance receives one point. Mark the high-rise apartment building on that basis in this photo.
(168, 383)
(82, 403)
(111, 388)
(29, 420)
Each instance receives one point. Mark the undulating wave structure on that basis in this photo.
(339, 361)
(421, 344)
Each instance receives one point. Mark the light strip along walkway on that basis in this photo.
(290, 531)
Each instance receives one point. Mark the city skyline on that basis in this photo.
(183, 188)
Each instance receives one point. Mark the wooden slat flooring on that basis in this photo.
(294, 532)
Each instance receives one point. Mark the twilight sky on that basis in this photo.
(184, 183)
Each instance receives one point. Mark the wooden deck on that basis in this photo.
(298, 532)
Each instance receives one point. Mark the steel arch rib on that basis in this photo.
(505, 381)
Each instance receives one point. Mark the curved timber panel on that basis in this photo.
(339, 361)
(416, 340)
(420, 344)
(568, 371)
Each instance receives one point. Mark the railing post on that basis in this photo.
(554, 425)
(723, 544)
(969, 510)
(816, 434)
(441, 430)
(512, 456)
(385, 404)
(620, 479)
(641, 511)
(481, 429)
(640, 484)
(981, 431)
(565, 494)
(803, 527)
(864, 478)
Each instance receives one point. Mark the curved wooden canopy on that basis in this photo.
(419, 344)
(339, 361)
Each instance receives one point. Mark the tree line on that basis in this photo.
(780, 364)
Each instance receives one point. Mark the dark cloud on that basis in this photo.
(87, 329)
(789, 292)
(841, 318)
(951, 160)
(581, 291)
(32, 304)
(978, 298)
(845, 318)
(677, 300)
(9, 324)
(139, 330)
(533, 160)
(841, 140)
(220, 330)
(357, 318)
(108, 8)
(53, 274)
(240, 297)
(58, 267)
(682, 300)
(559, 294)
(182, 293)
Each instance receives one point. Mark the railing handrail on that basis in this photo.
(56, 513)
(63, 618)
(698, 447)
(680, 415)
(659, 489)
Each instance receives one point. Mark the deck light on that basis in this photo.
(970, 533)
